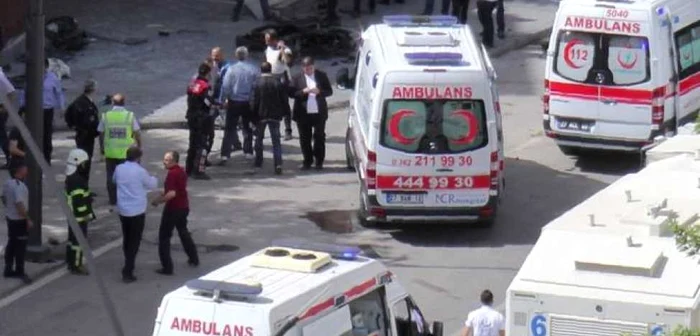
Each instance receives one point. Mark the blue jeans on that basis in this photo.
(430, 6)
(274, 126)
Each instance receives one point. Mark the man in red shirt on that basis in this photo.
(175, 214)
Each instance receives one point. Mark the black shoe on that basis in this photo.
(78, 271)
(128, 278)
(193, 263)
(305, 166)
(201, 176)
(278, 170)
(319, 166)
(9, 274)
(207, 163)
(237, 148)
(501, 35)
(163, 271)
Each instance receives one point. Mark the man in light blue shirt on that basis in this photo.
(54, 101)
(236, 92)
(133, 184)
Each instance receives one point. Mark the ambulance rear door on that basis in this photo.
(433, 144)
(601, 82)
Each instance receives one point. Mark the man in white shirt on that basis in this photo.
(6, 90)
(279, 56)
(485, 321)
(133, 184)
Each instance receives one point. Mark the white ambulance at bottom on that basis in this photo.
(294, 290)
(621, 73)
(424, 126)
(610, 266)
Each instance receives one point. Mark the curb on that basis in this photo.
(510, 45)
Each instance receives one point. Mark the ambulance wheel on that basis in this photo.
(568, 150)
(362, 214)
(348, 158)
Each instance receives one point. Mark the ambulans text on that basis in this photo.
(431, 92)
(606, 25)
(209, 328)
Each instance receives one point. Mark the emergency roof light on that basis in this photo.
(442, 58)
(229, 290)
(419, 20)
(340, 252)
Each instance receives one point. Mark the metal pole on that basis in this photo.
(58, 191)
(35, 120)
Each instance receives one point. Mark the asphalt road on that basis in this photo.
(444, 268)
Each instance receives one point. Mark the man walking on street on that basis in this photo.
(430, 7)
(485, 12)
(460, 9)
(271, 103)
(54, 101)
(311, 88)
(279, 56)
(7, 90)
(175, 214)
(485, 321)
(82, 116)
(236, 92)
(80, 202)
(119, 130)
(15, 197)
(133, 184)
(199, 103)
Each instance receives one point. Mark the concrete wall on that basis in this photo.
(12, 16)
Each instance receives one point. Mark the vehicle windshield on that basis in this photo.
(434, 126)
(596, 58)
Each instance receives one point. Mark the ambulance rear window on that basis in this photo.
(434, 126)
(595, 58)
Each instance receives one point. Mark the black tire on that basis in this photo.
(568, 150)
(362, 215)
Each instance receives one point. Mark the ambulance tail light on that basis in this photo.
(496, 166)
(657, 108)
(545, 98)
(371, 170)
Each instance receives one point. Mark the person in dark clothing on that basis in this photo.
(175, 214)
(271, 103)
(199, 102)
(15, 197)
(310, 112)
(460, 9)
(501, 19)
(485, 11)
(357, 7)
(83, 116)
(430, 7)
(80, 201)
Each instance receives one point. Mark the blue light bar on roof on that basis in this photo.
(443, 58)
(419, 20)
(336, 251)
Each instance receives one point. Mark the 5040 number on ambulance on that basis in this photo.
(621, 73)
(424, 125)
(295, 288)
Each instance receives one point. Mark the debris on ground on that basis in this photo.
(64, 33)
(326, 42)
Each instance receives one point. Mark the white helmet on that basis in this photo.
(75, 158)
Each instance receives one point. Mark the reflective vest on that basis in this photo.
(79, 203)
(118, 133)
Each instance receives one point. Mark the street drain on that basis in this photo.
(335, 221)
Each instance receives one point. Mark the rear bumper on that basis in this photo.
(373, 211)
(632, 145)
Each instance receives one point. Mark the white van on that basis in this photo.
(620, 73)
(294, 289)
(611, 265)
(424, 128)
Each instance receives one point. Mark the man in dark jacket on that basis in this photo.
(83, 117)
(271, 103)
(311, 87)
(199, 101)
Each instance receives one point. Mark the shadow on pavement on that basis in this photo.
(611, 163)
(535, 195)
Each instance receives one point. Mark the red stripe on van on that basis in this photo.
(387, 182)
(591, 92)
(349, 295)
(689, 84)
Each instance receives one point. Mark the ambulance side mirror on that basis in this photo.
(437, 328)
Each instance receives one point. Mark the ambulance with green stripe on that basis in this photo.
(424, 126)
(295, 288)
(621, 74)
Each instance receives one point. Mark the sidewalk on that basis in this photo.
(153, 74)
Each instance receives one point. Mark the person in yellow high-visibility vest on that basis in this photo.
(118, 130)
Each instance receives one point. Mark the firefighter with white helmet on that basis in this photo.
(80, 201)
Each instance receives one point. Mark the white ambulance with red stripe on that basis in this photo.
(424, 129)
(295, 288)
(621, 73)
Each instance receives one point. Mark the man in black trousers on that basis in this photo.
(311, 87)
(460, 8)
(83, 116)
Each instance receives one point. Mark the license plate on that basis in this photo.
(404, 198)
(575, 125)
